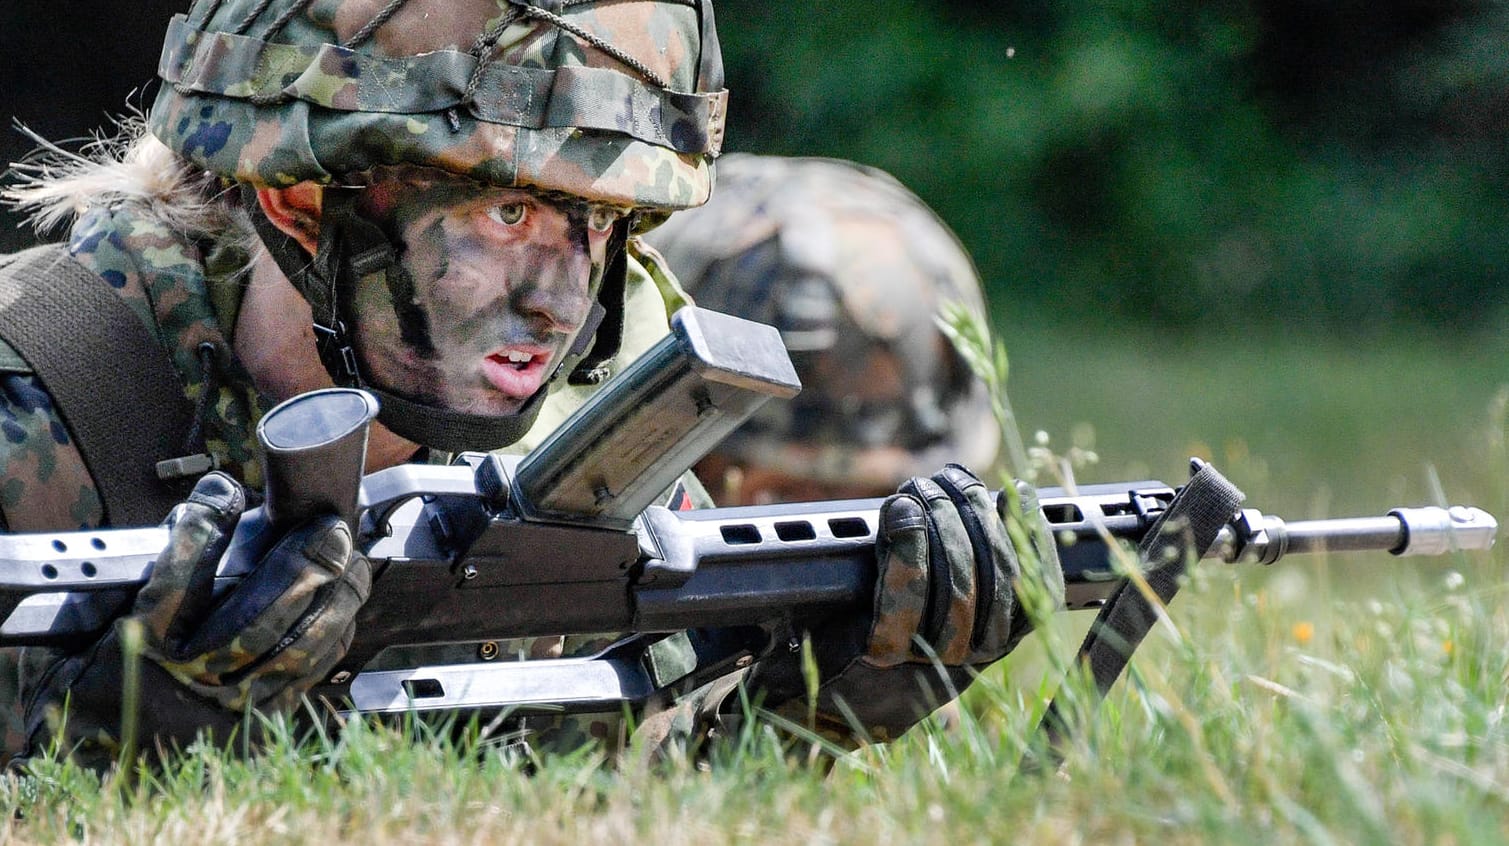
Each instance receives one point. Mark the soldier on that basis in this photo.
(439, 202)
(854, 270)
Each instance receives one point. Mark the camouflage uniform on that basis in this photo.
(618, 104)
(854, 270)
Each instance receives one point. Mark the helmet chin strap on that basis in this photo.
(352, 248)
(607, 325)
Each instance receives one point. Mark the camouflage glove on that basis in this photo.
(260, 647)
(945, 607)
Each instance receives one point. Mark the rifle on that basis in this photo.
(569, 540)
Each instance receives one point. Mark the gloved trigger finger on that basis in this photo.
(306, 660)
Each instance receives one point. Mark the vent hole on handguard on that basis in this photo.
(1066, 513)
(742, 534)
(423, 688)
(848, 527)
(795, 531)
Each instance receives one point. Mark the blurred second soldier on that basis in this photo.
(853, 269)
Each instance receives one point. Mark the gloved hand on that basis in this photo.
(946, 606)
(207, 662)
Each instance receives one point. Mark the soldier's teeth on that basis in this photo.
(518, 358)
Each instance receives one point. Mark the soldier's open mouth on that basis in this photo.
(516, 371)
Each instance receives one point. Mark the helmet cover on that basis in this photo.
(617, 102)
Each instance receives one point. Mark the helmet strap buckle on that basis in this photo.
(334, 346)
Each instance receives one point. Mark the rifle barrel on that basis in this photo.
(1351, 534)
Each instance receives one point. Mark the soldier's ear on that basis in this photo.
(295, 211)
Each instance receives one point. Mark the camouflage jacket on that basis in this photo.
(188, 293)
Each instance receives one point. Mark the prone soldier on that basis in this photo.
(441, 203)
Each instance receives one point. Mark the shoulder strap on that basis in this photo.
(1184, 532)
(110, 379)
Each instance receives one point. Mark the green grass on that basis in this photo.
(1354, 699)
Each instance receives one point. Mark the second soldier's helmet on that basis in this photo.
(854, 270)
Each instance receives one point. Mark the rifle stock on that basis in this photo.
(567, 541)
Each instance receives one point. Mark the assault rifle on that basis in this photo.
(569, 540)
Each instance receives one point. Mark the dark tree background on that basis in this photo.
(1331, 165)
(70, 66)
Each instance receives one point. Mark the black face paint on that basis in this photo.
(578, 217)
(413, 322)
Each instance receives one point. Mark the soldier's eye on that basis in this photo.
(601, 218)
(508, 214)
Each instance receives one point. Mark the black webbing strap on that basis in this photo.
(1184, 532)
(110, 379)
(594, 369)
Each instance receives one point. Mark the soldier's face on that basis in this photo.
(498, 285)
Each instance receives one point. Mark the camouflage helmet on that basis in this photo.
(853, 269)
(617, 102)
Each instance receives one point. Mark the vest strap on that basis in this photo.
(110, 379)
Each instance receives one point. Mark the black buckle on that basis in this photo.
(334, 348)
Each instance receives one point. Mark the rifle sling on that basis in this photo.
(110, 379)
(1184, 532)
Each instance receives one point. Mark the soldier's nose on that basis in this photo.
(561, 303)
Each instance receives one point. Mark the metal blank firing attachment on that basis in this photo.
(1256, 537)
(1435, 531)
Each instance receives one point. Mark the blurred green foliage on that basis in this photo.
(1331, 166)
